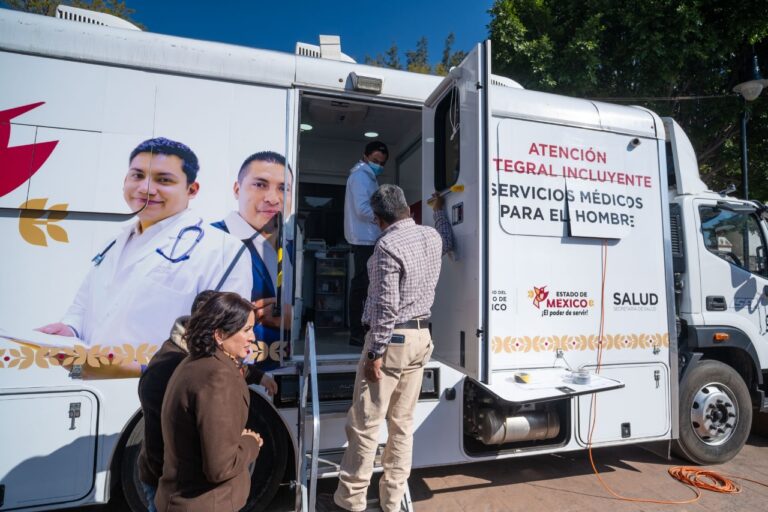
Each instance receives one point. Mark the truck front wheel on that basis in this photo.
(715, 413)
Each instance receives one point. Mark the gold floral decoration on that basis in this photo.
(258, 352)
(96, 356)
(34, 215)
(575, 343)
(261, 351)
(542, 344)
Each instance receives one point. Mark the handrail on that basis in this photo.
(307, 490)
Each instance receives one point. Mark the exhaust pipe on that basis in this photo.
(494, 429)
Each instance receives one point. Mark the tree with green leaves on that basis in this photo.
(48, 7)
(417, 61)
(679, 58)
(390, 58)
(450, 58)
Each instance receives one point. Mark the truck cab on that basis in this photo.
(721, 273)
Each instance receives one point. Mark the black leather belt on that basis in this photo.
(416, 323)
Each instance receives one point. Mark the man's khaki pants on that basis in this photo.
(394, 396)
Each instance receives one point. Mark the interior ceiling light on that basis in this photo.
(305, 127)
(371, 135)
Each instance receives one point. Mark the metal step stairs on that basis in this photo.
(373, 504)
(309, 462)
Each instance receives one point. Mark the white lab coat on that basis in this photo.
(135, 297)
(360, 227)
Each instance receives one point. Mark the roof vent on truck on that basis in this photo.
(330, 48)
(66, 12)
(504, 82)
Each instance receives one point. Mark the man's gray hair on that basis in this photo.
(388, 203)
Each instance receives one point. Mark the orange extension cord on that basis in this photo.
(694, 477)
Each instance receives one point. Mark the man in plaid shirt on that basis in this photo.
(403, 273)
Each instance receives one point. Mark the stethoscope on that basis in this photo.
(173, 259)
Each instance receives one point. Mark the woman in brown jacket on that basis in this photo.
(207, 448)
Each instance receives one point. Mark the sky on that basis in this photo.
(366, 27)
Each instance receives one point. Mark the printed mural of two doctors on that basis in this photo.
(148, 274)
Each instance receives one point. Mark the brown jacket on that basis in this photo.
(152, 385)
(205, 464)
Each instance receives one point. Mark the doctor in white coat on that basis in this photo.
(152, 271)
(361, 230)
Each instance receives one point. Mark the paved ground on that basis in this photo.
(566, 483)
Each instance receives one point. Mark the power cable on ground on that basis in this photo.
(695, 478)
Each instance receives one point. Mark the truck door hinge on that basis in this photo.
(74, 413)
(479, 86)
(479, 333)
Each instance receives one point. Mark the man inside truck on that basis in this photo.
(361, 230)
(260, 191)
(151, 272)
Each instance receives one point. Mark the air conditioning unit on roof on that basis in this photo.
(66, 12)
(505, 82)
(330, 48)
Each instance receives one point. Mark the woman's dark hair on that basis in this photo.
(225, 312)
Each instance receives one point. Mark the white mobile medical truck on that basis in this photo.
(593, 269)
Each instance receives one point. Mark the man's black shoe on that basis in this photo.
(325, 503)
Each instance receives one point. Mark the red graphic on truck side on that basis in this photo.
(19, 163)
(539, 295)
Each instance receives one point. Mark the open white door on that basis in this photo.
(455, 123)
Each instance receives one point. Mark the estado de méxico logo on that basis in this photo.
(560, 302)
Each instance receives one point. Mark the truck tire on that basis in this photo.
(715, 413)
(133, 492)
(266, 474)
(269, 469)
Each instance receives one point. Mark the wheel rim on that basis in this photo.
(714, 413)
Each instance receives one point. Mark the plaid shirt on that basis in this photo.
(403, 273)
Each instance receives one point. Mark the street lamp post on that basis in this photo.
(749, 90)
(744, 164)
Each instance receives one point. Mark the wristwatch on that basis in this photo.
(372, 356)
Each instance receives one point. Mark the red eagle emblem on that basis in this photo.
(539, 295)
(19, 163)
